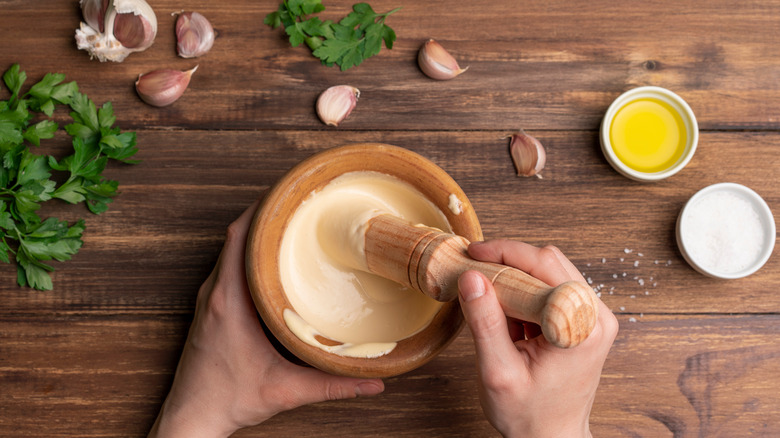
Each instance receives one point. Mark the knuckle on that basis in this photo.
(610, 325)
(498, 382)
(549, 256)
(335, 392)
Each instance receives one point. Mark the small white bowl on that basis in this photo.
(708, 223)
(664, 95)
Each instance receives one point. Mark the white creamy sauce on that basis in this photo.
(365, 314)
(455, 206)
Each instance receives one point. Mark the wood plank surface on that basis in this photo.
(695, 356)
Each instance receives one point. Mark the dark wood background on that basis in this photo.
(695, 356)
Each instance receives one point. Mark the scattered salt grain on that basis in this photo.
(636, 263)
(622, 308)
(641, 282)
(632, 319)
(603, 260)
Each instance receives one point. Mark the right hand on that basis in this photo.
(528, 387)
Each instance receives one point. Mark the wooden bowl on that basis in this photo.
(272, 218)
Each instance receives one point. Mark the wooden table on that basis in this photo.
(695, 356)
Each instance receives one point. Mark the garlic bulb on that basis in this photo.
(437, 63)
(113, 29)
(335, 104)
(163, 87)
(194, 35)
(528, 154)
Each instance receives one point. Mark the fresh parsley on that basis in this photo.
(347, 43)
(25, 177)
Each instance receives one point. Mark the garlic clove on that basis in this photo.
(436, 62)
(194, 35)
(528, 154)
(94, 12)
(163, 87)
(336, 103)
(133, 31)
(113, 29)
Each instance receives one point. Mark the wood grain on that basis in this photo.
(695, 356)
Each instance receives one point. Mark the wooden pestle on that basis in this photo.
(431, 261)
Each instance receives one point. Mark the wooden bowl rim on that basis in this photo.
(274, 214)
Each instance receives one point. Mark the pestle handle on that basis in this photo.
(431, 261)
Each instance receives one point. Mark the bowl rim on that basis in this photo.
(280, 204)
(668, 96)
(763, 210)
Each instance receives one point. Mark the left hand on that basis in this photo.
(229, 375)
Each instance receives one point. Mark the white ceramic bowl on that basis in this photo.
(664, 95)
(716, 221)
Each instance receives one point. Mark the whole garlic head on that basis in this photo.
(113, 29)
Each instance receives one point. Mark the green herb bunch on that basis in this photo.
(347, 43)
(25, 176)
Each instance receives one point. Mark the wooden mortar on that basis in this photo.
(272, 218)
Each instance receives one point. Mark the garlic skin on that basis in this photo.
(163, 87)
(194, 35)
(437, 63)
(336, 103)
(528, 154)
(113, 29)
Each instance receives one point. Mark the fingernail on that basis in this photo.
(368, 389)
(471, 286)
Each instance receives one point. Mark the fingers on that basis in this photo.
(547, 264)
(308, 385)
(486, 320)
(237, 233)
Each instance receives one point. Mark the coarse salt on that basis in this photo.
(723, 232)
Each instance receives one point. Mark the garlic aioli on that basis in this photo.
(365, 314)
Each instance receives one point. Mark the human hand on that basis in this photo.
(528, 387)
(229, 375)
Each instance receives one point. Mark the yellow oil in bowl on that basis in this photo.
(648, 135)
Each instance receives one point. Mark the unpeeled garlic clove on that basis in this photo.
(436, 62)
(194, 35)
(94, 12)
(528, 154)
(335, 104)
(163, 87)
(113, 29)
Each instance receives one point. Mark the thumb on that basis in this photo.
(313, 386)
(487, 321)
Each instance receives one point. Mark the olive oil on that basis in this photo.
(648, 135)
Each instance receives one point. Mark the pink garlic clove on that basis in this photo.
(133, 31)
(163, 87)
(336, 103)
(528, 154)
(194, 35)
(437, 63)
(94, 12)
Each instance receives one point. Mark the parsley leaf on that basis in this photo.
(25, 177)
(348, 43)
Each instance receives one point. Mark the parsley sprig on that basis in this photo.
(347, 43)
(25, 177)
